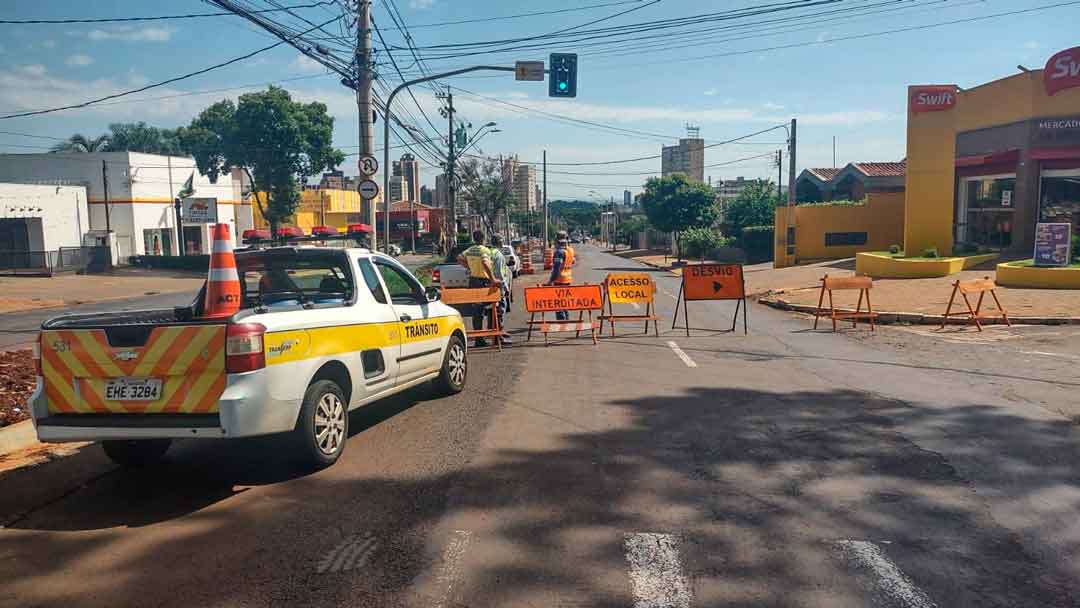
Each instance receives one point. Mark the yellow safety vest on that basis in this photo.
(475, 257)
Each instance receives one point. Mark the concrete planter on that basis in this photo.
(1012, 275)
(884, 266)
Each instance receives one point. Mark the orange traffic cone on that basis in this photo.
(222, 281)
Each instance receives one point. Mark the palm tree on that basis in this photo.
(82, 143)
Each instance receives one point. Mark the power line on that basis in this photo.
(769, 155)
(31, 135)
(523, 15)
(149, 86)
(155, 18)
(393, 61)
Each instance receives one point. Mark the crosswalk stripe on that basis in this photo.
(888, 578)
(656, 573)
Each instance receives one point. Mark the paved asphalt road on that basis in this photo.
(782, 468)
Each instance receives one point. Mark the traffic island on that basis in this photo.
(1025, 274)
(885, 265)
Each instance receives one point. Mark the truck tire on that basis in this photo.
(455, 368)
(323, 427)
(135, 452)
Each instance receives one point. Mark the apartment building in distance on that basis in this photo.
(687, 157)
(522, 178)
(408, 169)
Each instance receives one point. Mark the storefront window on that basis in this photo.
(987, 209)
(157, 241)
(1060, 196)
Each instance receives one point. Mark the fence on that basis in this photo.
(48, 263)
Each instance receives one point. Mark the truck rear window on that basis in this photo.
(282, 282)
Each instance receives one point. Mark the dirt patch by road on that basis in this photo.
(17, 381)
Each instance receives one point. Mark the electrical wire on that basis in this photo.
(130, 19)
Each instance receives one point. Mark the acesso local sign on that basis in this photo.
(1062, 71)
(932, 99)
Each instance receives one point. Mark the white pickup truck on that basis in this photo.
(456, 275)
(320, 332)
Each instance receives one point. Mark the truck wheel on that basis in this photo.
(135, 452)
(323, 427)
(455, 368)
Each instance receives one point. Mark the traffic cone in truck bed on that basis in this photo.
(222, 281)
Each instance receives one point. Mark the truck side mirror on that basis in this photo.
(433, 294)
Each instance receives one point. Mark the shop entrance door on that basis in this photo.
(986, 209)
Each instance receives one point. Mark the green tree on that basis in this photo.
(276, 141)
(701, 242)
(83, 144)
(674, 204)
(485, 189)
(631, 226)
(140, 137)
(755, 206)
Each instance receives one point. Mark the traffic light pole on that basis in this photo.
(389, 119)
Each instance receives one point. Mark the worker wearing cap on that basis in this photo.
(505, 276)
(561, 273)
(481, 274)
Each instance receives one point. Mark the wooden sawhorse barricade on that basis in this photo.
(632, 288)
(981, 287)
(570, 298)
(479, 296)
(831, 284)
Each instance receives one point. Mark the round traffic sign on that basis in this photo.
(368, 189)
(368, 165)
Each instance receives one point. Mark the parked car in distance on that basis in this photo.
(512, 260)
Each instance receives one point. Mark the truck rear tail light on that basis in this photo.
(37, 357)
(436, 276)
(244, 347)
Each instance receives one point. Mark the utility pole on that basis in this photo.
(833, 151)
(779, 173)
(450, 198)
(544, 227)
(365, 75)
(105, 186)
(791, 166)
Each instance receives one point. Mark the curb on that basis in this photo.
(18, 436)
(916, 318)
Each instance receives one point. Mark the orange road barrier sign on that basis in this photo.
(222, 282)
(636, 288)
(712, 282)
(549, 258)
(831, 284)
(480, 296)
(981, 287)
(570, 298)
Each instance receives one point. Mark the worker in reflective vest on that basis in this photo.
(481, 274)
(563, 262)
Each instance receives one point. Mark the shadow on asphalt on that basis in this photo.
(762, 481)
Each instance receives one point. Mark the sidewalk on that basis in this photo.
(27, 293)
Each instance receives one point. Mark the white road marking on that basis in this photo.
(1046, 354)
(656, 573)
(449, 572)
(679, 352)
(889, 579)
(349, 554)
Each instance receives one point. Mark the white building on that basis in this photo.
(42, 218)
(132, 194)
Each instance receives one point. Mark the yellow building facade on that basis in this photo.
(321, 207)
(985, 164)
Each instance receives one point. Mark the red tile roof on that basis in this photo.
(883, 169)
(824, 173)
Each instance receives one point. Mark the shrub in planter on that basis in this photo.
(700, 242)
(894, 249)
(930, 253)
(757, 242)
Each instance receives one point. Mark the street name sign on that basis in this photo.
(529, 70)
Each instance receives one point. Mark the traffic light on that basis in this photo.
(562, 78)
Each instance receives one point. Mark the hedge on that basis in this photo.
(757, 242)
(172, 262)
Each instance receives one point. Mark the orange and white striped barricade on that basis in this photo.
(709, 281)
(831, 284)
(636, 289)
(582, 299)
(549, 258)
(981, 287)
(481, 296)
(222, 297)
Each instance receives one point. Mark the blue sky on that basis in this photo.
(851, 89)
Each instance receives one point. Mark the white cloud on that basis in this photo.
(711, 92)
(49, 44)
(35, 69)
(307, 65)
(127, 34)
(79, 60)
(768, 105)
(848, 118)
(421, 5)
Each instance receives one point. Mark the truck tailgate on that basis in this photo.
(181, 367)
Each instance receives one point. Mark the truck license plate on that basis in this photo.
(133, 389)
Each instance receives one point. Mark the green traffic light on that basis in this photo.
(562, 86)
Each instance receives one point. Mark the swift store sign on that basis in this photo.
(932, 99)
(1062, 71)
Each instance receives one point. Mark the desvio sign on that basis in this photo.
(932, 99)
(1062, 71)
